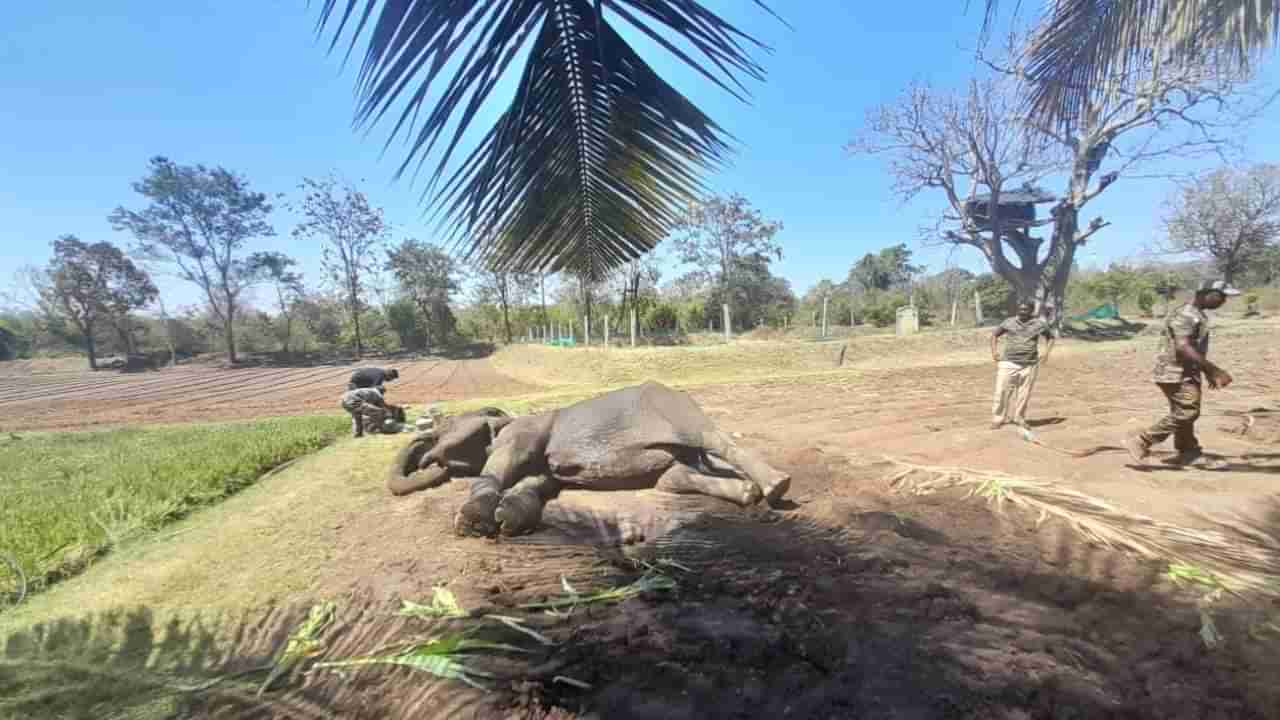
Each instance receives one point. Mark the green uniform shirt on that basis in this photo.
(1187, 322)
(1022, 340)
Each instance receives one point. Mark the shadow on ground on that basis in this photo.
(935, 608)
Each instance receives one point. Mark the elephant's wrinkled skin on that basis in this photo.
(647, 436)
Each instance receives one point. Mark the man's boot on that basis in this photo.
(1137, 447)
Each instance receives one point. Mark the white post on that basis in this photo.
(728, 324)
(955, 308)
(586, 330)
(606, 332)
(633, 327)
(977, 306)
(825, 324)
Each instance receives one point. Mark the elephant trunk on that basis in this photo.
(427, 477)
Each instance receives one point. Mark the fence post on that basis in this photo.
(824, 317)
(633, 327)
(728, 325)
(586, 331)
(606, 332)
(955, 307)
(977, 306)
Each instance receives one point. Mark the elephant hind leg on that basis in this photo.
(520, 509)
(684, 480)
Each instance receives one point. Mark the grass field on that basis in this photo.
(71, 497)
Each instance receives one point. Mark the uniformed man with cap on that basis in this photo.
(1181, 366)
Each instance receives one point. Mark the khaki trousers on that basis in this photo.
(1013, 390)
(1184, 410)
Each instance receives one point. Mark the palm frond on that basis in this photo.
(1081, 47)
(594, 156)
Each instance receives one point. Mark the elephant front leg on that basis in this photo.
(684, 480)
(476, 517)
(517, 453)
(520, 509)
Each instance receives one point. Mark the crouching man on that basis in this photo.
(368, 409)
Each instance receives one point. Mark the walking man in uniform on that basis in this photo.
(1017, 367)
(1182, 361)
(367, 408)
(368, 377)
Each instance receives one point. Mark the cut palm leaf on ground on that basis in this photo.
(1238, 556)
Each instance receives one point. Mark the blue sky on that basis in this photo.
(93, 89)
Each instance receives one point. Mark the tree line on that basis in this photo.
(199, 224)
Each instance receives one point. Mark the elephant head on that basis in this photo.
(456, 447)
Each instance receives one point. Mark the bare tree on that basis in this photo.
(1229, 215)
(351, 230)
(991, 162)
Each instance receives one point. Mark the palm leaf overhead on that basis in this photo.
(1082, 46)
(594, 157)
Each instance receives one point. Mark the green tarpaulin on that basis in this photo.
(1102, 312)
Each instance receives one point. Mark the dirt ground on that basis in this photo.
(852, 601)
(72, 400)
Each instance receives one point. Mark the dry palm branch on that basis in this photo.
(594, 157)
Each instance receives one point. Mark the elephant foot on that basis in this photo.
(519, 512)
(751, 494)
(476, 516)
(778, 488)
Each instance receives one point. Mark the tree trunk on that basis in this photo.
(355, 322)
(506, 320)
(91, 349)
(168, 334)
(231, 339)
(542, 287)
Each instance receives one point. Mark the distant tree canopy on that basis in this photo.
(730, 246)
(429, 278)
(887, 269)
(199, 220)
(350, 230)
(94, 284)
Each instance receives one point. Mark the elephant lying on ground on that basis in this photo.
(647, 436)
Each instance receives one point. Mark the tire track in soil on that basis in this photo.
(168, 390)
(311, 401)
(210, 394)
(202, 377)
